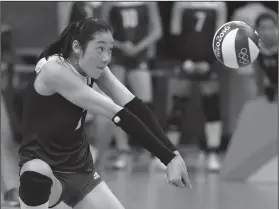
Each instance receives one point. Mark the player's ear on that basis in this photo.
(76, 47)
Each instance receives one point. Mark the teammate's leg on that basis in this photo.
(121, 137)
(100, 197)
(103, 130)
(39, 188)
(9, 159)
(140, 81)
(90, 131)
(213, 125)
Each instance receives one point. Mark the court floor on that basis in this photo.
(146, 188)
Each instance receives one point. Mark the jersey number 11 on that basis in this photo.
(130, 18)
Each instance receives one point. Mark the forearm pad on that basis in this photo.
(128, 122)
(137, 107)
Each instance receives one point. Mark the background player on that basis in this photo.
(193, 25)
(137, 28)
(267, 62)
(85, 9)
(56, 164)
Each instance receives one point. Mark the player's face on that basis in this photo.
(97, 54)
(268, 31)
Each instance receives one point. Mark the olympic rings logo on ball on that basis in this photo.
(219, 38)
(244, 57)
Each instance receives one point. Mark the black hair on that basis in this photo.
(265, 16)
(83, 31)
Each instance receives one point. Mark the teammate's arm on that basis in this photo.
(59, 79)
(123, 97)
(176, 18)
(222, 12)
(155, 27)
(105, 16)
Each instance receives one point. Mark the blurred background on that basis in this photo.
(225, 125)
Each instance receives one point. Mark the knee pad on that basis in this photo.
(35, 188)
(211, 106)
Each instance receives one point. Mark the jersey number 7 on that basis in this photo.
(201, 16)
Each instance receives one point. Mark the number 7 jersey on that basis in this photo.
(194, 25)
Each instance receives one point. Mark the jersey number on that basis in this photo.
(130, 18)
(201, 16)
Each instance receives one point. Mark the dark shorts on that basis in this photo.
(75, 186)
(130, 63)
(211, 107)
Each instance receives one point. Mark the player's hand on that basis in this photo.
(188, 66)
(129, 49)
(202, 67)
(177, 173)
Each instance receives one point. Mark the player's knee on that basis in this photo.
(35, 180)
(211, 108)
(38, 166)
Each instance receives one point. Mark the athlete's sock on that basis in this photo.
(34, 190)
(213, 132)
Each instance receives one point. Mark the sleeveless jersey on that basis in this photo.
(82, 10)
(198, 22)
(268, 61)
(53, 128)
(130, 22)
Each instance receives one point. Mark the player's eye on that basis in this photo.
(100, 49)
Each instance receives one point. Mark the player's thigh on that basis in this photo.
(61, 205)
(43, 168)
(119, 72)
(140, 81)
(101, 197)
(209, 87)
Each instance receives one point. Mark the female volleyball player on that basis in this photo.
(267, 62)
(56, 166)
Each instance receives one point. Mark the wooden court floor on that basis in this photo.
(145, 188)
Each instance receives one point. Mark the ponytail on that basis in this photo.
(60, 46)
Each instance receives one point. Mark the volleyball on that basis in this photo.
(236, 44)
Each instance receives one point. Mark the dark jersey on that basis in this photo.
(198, 22)
(53, 131)
(269, 64)
(130, 22)
(82, 10)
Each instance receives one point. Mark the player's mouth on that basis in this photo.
(100, 68)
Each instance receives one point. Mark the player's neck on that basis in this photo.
(74, 62)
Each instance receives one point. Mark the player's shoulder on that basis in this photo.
(52, 70)
(51, 65)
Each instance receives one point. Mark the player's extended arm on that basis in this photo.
(61, 80)
(155, 28)
(123, 97)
